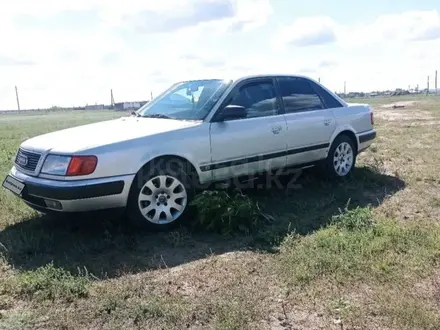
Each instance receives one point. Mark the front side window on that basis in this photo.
(258, 98)
(298, 95)
(190, 100)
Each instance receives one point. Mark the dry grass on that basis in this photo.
(374, 265)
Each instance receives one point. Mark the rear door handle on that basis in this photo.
(276, 129)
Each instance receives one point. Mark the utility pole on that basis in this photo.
(427, 89)
(345, 88)
(151, 92)
(112, 100)
(319, 79)
(435, 82)
(18, 101)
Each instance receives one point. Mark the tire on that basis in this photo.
(341, 158)
(160, 196)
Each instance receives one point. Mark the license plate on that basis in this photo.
(13, 185)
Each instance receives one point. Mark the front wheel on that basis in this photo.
(160, 197)
(341, 158)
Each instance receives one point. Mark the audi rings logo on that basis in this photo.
(22, 160)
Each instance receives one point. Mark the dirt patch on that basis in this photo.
(396, 115)
(402, 104)
(402, 111)
(207, 276)
(421, 123)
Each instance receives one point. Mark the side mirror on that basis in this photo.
(232, 112)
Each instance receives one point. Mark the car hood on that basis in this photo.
(84, 137)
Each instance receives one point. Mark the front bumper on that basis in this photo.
(74, 196)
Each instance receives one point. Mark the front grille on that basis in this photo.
(27, 160)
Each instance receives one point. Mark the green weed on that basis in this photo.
(50, 283)
(220, 212)
(356, 219)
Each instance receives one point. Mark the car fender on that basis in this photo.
(189, 157)
(339, 130)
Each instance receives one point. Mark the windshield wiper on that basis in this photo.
(134, 113)
(157, 115)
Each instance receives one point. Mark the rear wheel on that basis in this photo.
(341, 158)
(160, 197)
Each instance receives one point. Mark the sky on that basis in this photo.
(72, 53)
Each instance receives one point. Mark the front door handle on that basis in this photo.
(327, 122)
(276, 129)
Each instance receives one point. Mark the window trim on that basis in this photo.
(278, 79)
(280, 107)
(319, 92)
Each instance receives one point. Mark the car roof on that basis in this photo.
(238, 78)
(235, 78)
(269, 75)
(263, 75)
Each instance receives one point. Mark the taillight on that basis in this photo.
(372, 118)
(82, 165)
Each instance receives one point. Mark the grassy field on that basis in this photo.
(359, 254)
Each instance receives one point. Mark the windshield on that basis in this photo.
(189, 100)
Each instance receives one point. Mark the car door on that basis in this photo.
(252, 144)
(310, 122)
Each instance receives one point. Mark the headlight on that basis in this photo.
(56, 165)
(69, 166)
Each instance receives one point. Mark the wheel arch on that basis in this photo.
(347, 132)
(143, 174)
(188, 166)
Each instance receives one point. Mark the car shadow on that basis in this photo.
(107, 247)
(311, 201)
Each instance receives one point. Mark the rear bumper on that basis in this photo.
(366, 139)
(74, 196)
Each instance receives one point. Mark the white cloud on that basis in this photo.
(10, 61)
(402, 27)
(392, 51)
(173, 15)
(327, 64)
(63, 52)
(408, 26)
(44, 8)
(108, 44)
(308, 31)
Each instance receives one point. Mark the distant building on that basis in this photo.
(129, 105)
(95, 107)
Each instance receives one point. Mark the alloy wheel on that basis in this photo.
(343, 159)
(162, 199)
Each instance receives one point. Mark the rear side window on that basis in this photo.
(298, 95)
(328, 99)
